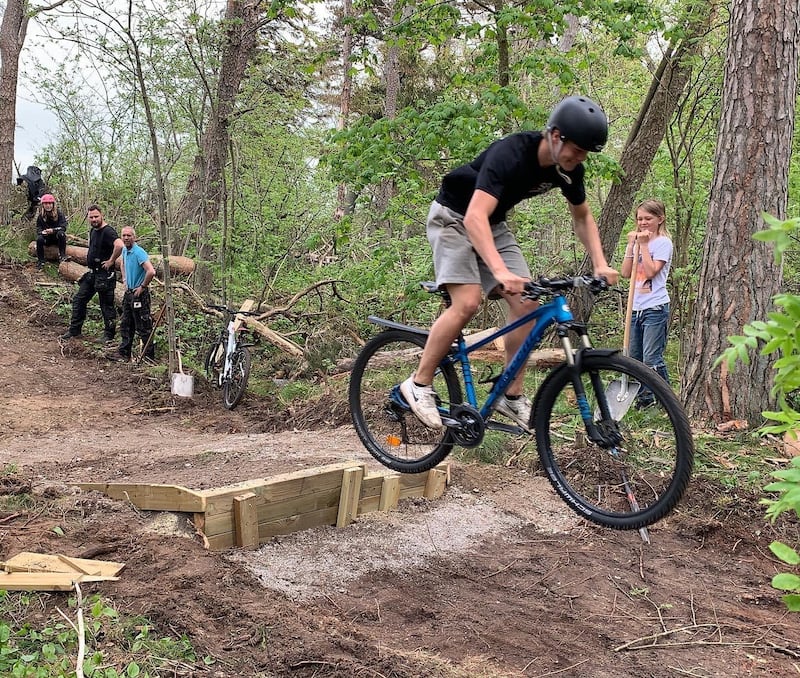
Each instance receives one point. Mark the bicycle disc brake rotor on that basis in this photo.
(469, 427)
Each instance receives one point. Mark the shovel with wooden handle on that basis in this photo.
(621, 393)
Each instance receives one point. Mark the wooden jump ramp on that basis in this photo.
(250, 513)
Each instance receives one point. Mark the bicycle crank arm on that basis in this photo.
(507, 428)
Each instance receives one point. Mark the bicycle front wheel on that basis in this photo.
(641, 470)
(383, 422)
(233, 389)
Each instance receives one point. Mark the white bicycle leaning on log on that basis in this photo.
(228, 360)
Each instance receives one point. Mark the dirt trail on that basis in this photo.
(497, 578)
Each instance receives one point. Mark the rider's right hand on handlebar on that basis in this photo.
(509, 283)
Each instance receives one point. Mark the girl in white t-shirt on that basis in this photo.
(651, 299)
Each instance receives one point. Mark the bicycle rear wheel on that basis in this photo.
(214, 361)
(383, 422)
(628, 485)
(233, 389)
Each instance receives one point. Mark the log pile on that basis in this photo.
(177, 265)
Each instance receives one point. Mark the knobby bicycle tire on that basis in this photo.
(390, 432)
(638, 481)
(234, 387)
(214, 362)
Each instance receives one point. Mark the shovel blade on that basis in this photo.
(620, 395)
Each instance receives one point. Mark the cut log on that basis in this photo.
(72, 270)
(273, 337)
(69, 270)
(177, 265)
(77, 254)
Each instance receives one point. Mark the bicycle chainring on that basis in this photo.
(466, 425)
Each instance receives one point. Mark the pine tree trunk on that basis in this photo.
(739, 276)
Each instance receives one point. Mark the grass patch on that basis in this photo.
(40, 640)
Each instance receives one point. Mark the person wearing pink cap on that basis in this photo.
(51, 229)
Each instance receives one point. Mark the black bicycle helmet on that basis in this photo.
(581, 121)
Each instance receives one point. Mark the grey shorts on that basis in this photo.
(454, 259)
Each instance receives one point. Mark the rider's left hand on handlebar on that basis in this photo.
(611, 275)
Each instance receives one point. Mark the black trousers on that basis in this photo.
(59, 238)
(136, 320)
(81, 301)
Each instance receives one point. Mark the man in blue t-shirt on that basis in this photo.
(137, 272)
(474, 251)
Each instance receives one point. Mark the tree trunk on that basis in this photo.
(650, 127)
(12, 37)
(205, 187)
(739, 276)
(391, 72)
(161, 193)
(344, 205)
(503, 61)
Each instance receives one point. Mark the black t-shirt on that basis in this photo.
(59, 223)
(101, 246)
(510, 171)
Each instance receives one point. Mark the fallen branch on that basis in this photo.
(273, 337)
(655, 645)
(655, 636)
(79, 629)
(280, 310)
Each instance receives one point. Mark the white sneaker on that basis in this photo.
(518, 410)
(422, 401)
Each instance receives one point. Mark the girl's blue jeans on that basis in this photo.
(649, 341)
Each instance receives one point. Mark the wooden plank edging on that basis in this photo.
(250, 513)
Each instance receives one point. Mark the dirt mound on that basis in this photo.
(497, 578)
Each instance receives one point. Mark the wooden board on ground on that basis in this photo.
(26, 561)
(27, 571)
(151, 497)
(45, 581)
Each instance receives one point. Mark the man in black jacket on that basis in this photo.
(51, 229)
(105, 247)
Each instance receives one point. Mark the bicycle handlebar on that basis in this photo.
(542, 286)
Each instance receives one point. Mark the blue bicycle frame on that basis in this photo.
(556, 311)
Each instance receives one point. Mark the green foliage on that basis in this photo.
(781, 233)
(779, 335)
(116, 647)
(14, 240)
(788, 489)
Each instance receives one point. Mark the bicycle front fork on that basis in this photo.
(602, 430)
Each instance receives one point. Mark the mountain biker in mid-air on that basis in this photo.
(474, 251)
